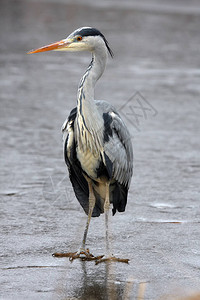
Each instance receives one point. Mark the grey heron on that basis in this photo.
(97, 144)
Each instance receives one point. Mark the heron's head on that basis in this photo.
(82, 39)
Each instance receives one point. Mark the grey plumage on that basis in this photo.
(118, 150)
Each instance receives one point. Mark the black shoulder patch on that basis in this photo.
(105, 169)
(109, 165)
(107, 128)
(72, 114)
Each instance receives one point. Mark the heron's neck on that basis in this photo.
(90, 77)
(88, 115)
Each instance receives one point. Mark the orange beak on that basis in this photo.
(57, 46)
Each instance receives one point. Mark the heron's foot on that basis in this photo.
(110, 259)
(81, 254)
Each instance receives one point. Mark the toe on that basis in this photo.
(110, 259)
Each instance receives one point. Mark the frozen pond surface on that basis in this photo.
(156, 64)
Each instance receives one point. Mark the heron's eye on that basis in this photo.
(79, 38)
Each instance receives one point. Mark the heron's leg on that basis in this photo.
(83, 253)
(91, 207)
(106, 211)
(109, 256)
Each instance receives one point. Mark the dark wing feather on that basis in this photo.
(118, 151)
(77, 179)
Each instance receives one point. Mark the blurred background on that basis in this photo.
(156, 62)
